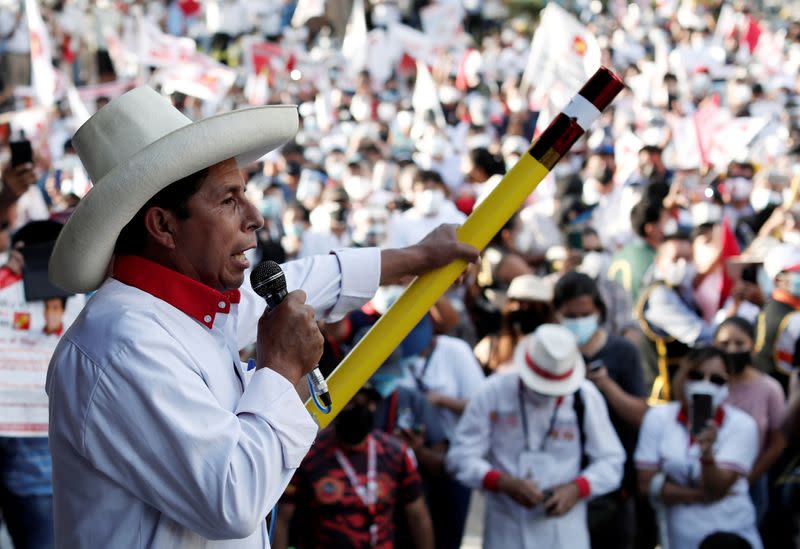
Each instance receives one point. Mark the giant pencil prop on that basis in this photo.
(479, 228)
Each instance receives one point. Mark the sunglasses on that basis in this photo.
(716, 379)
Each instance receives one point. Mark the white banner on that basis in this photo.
(25, 351)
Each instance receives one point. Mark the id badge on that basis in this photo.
(538, 467)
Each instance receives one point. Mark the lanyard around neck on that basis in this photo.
(524, 419)
(367, 493)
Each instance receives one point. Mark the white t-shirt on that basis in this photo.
(451, 370)
(664, 445)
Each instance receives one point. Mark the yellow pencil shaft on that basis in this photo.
(390, 330)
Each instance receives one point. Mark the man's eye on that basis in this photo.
(229, 200)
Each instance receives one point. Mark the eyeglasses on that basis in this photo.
(716, 379)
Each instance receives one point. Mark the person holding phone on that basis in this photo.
(694, 455)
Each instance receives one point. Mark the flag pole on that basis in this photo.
(484, 222)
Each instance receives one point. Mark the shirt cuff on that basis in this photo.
(584, 489)
(361, 276)
(272, 398)
(491, 480)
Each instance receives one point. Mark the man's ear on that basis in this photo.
(160, 224)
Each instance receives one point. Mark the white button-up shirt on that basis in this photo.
(160, 436)
(491, 438)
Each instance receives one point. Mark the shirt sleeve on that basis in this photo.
(648, 455)
(335, 284)
(173, 446)
(738, 449)
(668, 312)
(469, 447)
(605, 451)
(776, 404)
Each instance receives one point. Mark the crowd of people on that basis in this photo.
(655, 272)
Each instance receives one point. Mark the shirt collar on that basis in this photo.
(193, 298)
(683, 416)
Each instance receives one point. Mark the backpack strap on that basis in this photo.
(580, 412)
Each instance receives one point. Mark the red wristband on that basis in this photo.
(491, 480)
(584, 489)
(707, 461)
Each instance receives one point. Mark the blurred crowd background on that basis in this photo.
(671, 229)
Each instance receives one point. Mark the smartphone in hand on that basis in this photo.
(701, 412)
(21, 153)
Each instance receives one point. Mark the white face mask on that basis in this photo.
(740, 188)
(719, 393)
(357, 187)
(678, 272)
(429, 201)
(670, 227)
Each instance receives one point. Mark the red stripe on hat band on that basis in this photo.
(541, 372)
(558, 138)
(602, 88)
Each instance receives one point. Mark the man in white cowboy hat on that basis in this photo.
(539, 441)
(160, 436)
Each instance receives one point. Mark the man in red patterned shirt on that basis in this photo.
(351, 484)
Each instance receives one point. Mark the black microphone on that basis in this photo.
(268, 281)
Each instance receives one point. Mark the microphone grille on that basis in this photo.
(267, 278)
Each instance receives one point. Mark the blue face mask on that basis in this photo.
(764, 281)
(385, 384)
(794, 284)
(582, 328)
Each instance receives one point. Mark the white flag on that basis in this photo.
(425, 97)
(354, 46)
(564, 54)
(43, 75)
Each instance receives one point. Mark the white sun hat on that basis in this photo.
(549, 362)
(134, 147)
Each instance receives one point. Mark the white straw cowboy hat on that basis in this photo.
(134, 147)
(549, 362)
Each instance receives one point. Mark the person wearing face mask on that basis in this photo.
(736, 194)
(353, 484)
(615, 369)
(760, 396)
(539, 441)
(432, 207)
(782, 266)
(668, 316)
(528, 305)
(697, 470)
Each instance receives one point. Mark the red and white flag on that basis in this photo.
(43, 74)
